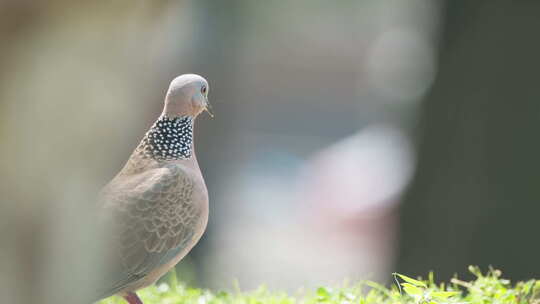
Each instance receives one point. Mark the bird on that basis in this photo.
(156, 207)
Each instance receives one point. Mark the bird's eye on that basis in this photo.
(203, 89)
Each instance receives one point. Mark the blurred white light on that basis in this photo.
(368, 170)
(375, 166)
(400, 65)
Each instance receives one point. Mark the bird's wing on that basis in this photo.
(155, 219)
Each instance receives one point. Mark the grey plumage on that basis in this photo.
(157, 205)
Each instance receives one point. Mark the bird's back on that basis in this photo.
(157, 214)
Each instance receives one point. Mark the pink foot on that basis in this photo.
(132, 298)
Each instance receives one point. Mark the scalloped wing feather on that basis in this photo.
(155, 217)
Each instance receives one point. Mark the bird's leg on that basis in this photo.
(132, 298)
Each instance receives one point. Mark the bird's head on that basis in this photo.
(187, 96)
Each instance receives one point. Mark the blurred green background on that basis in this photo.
(352, 138)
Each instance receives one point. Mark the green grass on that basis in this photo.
(487, 288)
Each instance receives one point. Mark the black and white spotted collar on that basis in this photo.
(169, 139)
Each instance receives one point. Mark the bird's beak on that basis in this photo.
(208, 108)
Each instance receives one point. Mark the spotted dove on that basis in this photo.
(157, 205)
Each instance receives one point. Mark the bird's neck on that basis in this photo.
(168, 139)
